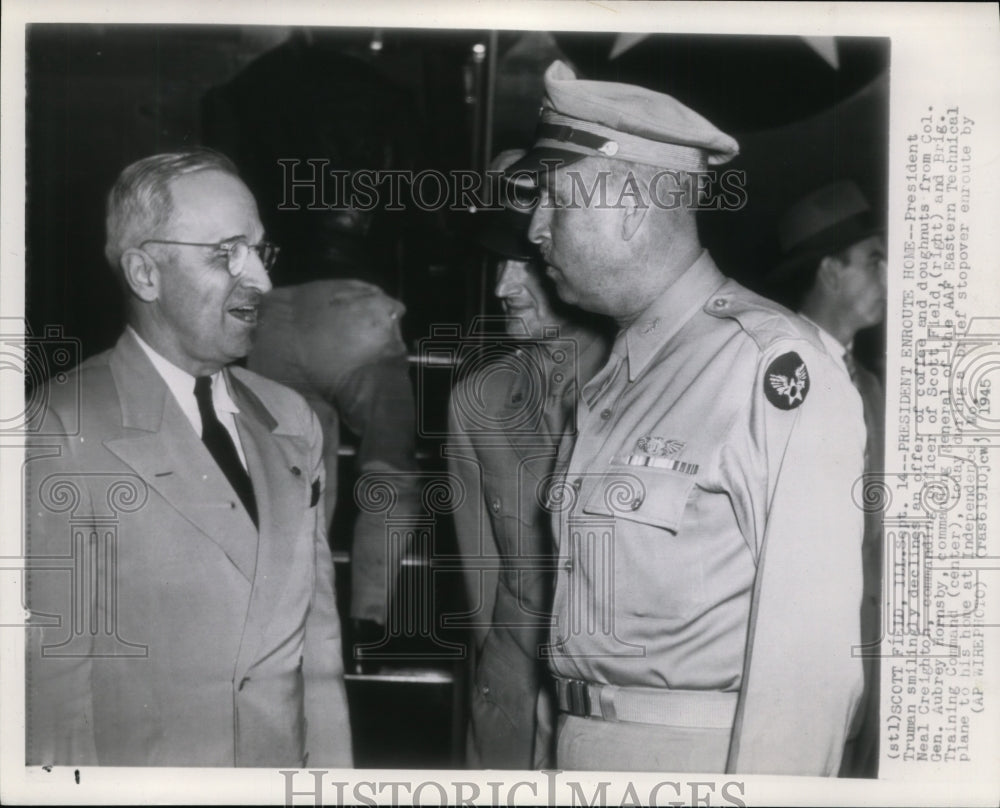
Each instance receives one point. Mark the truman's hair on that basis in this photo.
(139, 203)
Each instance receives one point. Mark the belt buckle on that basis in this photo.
(578, 696)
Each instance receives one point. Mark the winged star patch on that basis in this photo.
(786, 381)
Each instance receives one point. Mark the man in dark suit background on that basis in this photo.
(833, 272)
(187, 614)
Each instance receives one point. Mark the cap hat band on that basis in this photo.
(591, 139)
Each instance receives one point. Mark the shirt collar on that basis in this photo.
(665, 316)
(833, 346)
(181, 383)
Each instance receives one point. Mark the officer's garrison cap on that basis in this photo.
(582, 118)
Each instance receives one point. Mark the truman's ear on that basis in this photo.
(634, 208)
(141, 274)
(828, 274)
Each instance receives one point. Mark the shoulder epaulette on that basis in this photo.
(763, 320)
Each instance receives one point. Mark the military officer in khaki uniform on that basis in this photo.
(506, 417)
(707, 593)
(833, 272)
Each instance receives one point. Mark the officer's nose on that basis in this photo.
(510, 278)
(538, 230)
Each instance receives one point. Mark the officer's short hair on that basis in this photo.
(139, 202)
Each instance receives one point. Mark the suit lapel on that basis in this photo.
(277, 465)
(160, 445)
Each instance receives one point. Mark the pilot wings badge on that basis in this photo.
(786, 381)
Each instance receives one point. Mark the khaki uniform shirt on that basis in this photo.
(707, 535)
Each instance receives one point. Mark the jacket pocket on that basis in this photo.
(644, 495)
(655, 559)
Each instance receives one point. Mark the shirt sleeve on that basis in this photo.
(801, 682)
(376, 403)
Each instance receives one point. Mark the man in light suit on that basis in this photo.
(181, 594)
(506, 420)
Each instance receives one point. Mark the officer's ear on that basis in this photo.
(634, 207)
(828, 274)
(141, 274)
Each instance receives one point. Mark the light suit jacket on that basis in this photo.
(165, 630)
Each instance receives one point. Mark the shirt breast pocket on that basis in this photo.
(656, 558)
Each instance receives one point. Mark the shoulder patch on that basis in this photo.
(786, 381)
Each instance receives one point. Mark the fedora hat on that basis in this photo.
(822, 223)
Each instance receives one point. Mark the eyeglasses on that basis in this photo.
(236, 251)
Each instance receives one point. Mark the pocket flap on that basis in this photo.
(642, 494)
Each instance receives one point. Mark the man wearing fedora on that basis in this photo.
(709, 567)
(833, 271)
(507, 416)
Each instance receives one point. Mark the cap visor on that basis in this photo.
(505, 232)
(539, 160)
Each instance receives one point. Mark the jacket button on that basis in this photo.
(486, 690)
(568, 565)
(605, 415)
(495, 506)
(636, 503)
(296, 471)
(577, 483)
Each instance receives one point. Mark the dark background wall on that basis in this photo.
(102, 96)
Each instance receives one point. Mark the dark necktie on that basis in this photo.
(219, 442)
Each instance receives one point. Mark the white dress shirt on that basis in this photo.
(181, 385)
(834, 347)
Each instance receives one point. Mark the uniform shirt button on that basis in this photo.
(605, 414)
(577, 483)
(495, 506)
(568, 565)
(486, 690)
(720, 303)
(637, 503)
